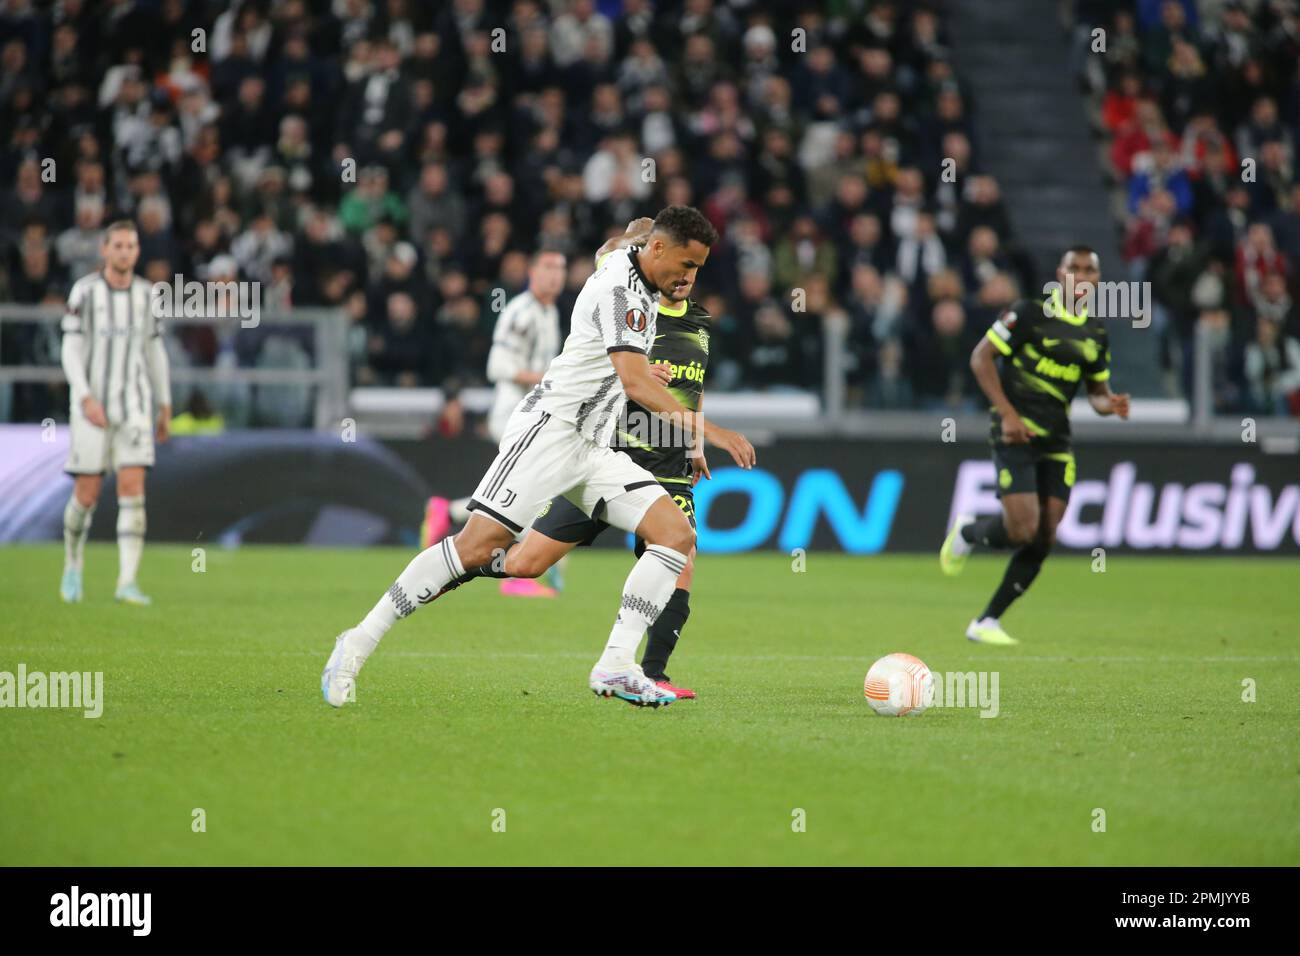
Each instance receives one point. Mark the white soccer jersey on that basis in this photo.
(615, 311)
(526, 338)
(113, 349)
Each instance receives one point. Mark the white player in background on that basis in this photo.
(526, 338)
(116, 364)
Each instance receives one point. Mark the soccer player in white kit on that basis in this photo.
(558, 443)
(525, 340)
(116, 364)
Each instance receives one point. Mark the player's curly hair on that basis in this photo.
(683, 224)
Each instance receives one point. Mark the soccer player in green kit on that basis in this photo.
(1046, 349)
(680, 356)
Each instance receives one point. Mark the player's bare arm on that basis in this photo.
(164, 428)
(734, 443)
(644, 387)
(985, 367)
(699, 463)
(1106, 402)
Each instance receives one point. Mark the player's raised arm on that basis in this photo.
(637, 232)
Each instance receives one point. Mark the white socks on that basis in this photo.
(76, 528)
(647, 590)
(428, 573)
(130, 537)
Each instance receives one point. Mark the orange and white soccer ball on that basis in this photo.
(899, 684)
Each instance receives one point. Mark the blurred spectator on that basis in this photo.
(1273, 370)
(940, 358)
(77, 248)
(389, 160)
(1257, 259)
(400, 352)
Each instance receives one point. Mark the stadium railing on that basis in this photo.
(328, 377)
(411, 412)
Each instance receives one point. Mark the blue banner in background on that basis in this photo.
(818, 494)
(852, 496)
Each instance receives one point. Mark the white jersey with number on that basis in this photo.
(118, 356)
(526, 339)
(113, 351)
(615, 311)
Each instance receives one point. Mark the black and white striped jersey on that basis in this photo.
(615, 311)
(113, 348)
(526, 339)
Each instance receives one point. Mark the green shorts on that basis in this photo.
(562, 520)
(1026, 469)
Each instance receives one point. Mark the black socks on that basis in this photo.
(989, 532)
(664, 634)
(1021, 571)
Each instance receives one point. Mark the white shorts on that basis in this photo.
(542, 457)
(97, 450)
(498, 422)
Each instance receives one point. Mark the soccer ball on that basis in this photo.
(899, 684)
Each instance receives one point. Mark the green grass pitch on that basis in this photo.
(1125, 695)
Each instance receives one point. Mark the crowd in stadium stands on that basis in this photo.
(1201, 108)
(836, 162)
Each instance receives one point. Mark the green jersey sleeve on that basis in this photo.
(1011, 329)
(1097, 369)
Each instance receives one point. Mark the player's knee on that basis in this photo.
(682, 539)
(130, 481)
(87, 493)
(1023, 530)
(473, 552)
(675, 533)
(525, 565)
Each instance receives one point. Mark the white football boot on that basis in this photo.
(988, 630)
(630, 684)
(338, 682)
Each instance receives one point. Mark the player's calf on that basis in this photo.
(427, 576)
(1020, 516)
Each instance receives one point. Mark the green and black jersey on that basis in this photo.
(681, 339)
(1046, 352)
